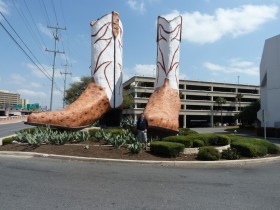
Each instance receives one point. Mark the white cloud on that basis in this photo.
(45, 30)
(235, 66)
(25, 93)
(206, 28)
(3, 8)
(46, 68)
(17, 79)
(75, 79)
(137, 6)
(183, 76)
(146, 70)
(35, 84)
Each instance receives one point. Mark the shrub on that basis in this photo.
(169, 149)
(249, 150)
(209, 139)
(92, 133)
(179, 139)
(115, 131)
(7, 140)
(208, 153)
(230, 154)
(218, 140)
(186, 131)
(198, 143)
(135, 148)
(255, 142)
(271, 148)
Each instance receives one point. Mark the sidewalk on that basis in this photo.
(12, 119)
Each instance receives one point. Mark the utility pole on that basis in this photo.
(56, 39)
(65, 74)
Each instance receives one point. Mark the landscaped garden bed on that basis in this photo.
(122, 144)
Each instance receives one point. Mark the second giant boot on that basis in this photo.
(104, 93)
(162, 110)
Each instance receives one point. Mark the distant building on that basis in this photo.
(8, 99)
(24, 103)
(198, 107)
(270, 81)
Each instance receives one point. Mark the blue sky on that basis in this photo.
(222, 40)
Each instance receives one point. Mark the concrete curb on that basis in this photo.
(227, 163)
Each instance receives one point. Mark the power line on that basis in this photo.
(28, 27)
(24, 50)
(46, 12)
(65, 23)
(30, 14)
(54, 12)
(25, 44)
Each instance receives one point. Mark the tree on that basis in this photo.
(76, 89)
(248, 115)
(127, 99)
(220, 101)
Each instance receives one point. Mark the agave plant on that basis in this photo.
(128, 123)
(47, 135)
(135, 148)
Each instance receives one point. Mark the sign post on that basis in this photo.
(261, 115)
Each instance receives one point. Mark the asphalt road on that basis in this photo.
(11, 128)
(38, 183)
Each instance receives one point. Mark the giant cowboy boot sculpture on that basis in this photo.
(162, 110)
(104, 93)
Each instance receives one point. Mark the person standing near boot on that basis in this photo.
(142, 126)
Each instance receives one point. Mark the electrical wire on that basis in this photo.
(46, 12)
(23, 50)
(54, 12)
(29, 28)
(25, 44)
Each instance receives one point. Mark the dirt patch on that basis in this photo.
(95, 150)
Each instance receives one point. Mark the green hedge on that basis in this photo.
(198, 143)
(199, 140)
(219, 140)
(169, 149)
(7, 140)
(249, 150)
(179, 139)
(186, 131)
(92, 132)
(208, 153)
(253, 147)
(230, 154)
(114, 131)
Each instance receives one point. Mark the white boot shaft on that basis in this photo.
(106, 62)
(168, 51)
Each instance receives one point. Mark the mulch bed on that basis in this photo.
(96, 150)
